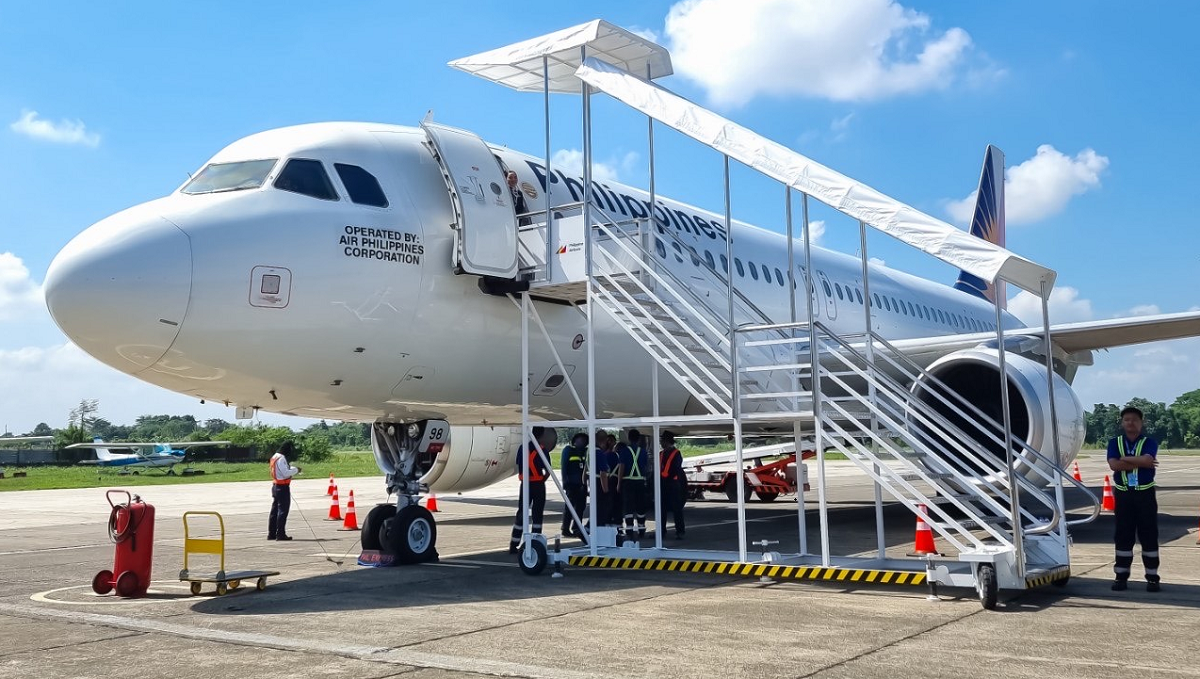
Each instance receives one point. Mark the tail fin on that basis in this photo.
(988, 221)
(102, 454)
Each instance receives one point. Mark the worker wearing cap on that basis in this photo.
(574, 478)
(1132, 456)
(281, 492)
(674, 483)
(631, 482)
(531, 462)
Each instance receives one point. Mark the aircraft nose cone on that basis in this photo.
(120, 289)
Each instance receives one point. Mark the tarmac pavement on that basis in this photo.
(476, 614)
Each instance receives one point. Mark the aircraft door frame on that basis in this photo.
(830, 303)
(485, 223)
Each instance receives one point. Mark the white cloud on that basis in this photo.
(1066, 306)
(20, 295)
(1159, 371)
(1144, 310)
(62, 132)
(51, 380)
(1041, 186)
(816, 229)
(646, 33)
(571, 160)
(846, 50)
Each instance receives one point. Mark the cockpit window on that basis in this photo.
(364, 189)
(248, 174)
(308, 177)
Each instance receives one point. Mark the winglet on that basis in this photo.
(988, 220)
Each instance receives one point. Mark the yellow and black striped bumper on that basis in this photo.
(858, 575)
(1060, 573)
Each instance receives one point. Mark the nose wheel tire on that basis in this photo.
(987, 586)
(411, 535)
(534, 557)
(371, 526)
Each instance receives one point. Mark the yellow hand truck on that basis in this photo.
(224, 581)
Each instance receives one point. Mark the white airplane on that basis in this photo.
(10, 440)
(142, 453)
(313, 270)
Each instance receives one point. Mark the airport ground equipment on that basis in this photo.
(980, 473)
(766, 480)
(224, 580)
(131, 528)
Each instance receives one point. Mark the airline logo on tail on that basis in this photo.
(988, 220)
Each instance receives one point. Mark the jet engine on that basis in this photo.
(974, 374)
(444, 458)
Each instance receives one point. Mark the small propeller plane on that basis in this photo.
(142, 453)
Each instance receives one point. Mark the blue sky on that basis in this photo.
(1094, 103)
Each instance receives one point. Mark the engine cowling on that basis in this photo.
(474, 457)
(974, 374)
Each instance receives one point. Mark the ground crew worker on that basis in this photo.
(1132, 456)
(608, 501)
(631, 483)
(674, 482)
(281, 492)
(574, 477)
(528, 459)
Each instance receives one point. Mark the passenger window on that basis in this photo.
(738, 263)
(724, 264)
(858, 294)
(779, 277)
(838, 288)
(911, 311)
(678, 252)
(709, 259)
(825, 284)
(362, 186)
(876, 298)
(753, 270)
(660, 249)
(886, 304)
(307, 177)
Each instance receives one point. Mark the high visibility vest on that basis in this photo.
(535, 472)
(635, 467)
(1122, 480)
(666, 470)
(274, 472)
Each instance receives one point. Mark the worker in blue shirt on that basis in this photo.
(574, 478)
(529, 460)
(674, 483)
(608, 466)
(1132, 456)
(631, 483)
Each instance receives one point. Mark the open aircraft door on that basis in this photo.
(483, 211)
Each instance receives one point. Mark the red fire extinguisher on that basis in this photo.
(131, 527)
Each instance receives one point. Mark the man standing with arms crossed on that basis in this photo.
(1132, 456)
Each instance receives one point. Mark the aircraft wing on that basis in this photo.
(146, 444)
(25, 439)
(1073, 337)
(195, 444)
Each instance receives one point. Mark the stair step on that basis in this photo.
(932, 476)
(948, 499)
(981, 521)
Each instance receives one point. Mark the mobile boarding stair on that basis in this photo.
(976, 485)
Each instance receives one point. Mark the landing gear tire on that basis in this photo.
(411, 535)
(765, 496)
(535, 558)
(987, 586)
(370, 528)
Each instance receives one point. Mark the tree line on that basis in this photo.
(1174, 426)
(315, 442)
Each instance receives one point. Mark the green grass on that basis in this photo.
(343, 465)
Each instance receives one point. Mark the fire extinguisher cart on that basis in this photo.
(223, 580)
(131, 527)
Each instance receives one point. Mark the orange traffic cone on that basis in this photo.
(332, 485)
(431, 502)
(1108, 503)
(1077, 476)
(351, 522)
(924, 539)
(335, 508)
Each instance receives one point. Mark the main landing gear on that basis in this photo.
(405, 532)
